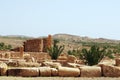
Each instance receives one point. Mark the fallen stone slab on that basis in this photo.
(68, 72)
(74, 65)
(110, 71)
(107, 62)
(90, 71)
(62, 62)
(71, 58)
(3, 69)
(23, 64)
(51, 64)
(4, 59)
(28, 64)
(12, 63)
(24, 72)
(62, 57)
(117, 62)
(54, 72)
(45, 71)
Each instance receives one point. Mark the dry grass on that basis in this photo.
(12, 41)
(55, 78)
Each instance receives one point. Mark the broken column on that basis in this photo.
(21, 49)
(49, 41)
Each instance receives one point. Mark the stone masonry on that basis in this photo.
(37, 45)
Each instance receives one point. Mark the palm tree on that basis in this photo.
(94, 55)
(55, 50)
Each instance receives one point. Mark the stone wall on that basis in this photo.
(9, 54)
(39, 56)
(38, 45)
(34, 45)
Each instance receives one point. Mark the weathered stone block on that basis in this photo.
(54, 72)
(68, 72)
(25, 72)
(3, 69)
(51, 64)
(117, 62)
(71, 58)
(90, 71)
(74, 65)
(45, 71)
(111, 71)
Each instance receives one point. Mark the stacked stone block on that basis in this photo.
(38, 45)
(34, 45)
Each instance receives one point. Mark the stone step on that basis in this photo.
(24, 72)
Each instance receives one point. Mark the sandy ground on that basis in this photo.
(56, 78)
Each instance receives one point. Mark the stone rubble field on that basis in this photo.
(55, 69)
(56, 78)
(64, 66)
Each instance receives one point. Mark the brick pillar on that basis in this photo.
(41, 45)
(24, 46)
(44, 44)
(49, 41)
(21, 49)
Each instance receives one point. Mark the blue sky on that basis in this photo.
(93, 18)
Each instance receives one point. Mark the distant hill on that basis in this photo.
(68, 37)
(77, 42)
(14, 40)
(70, 41)
(17, 36)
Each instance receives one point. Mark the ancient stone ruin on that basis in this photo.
(56, 69)
(32, 60)
(38, 45)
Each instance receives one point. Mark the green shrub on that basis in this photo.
(94, 55)
(74, 52)
(5, 47)
(55, 50)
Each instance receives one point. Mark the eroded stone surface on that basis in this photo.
(25, 72)
(45, 71)
(68, 72)
(3, 69)
(111, 71)
(90, 71)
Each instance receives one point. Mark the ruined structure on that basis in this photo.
(35, 48)
(38, 45)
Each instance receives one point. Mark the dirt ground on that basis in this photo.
(56, 78)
